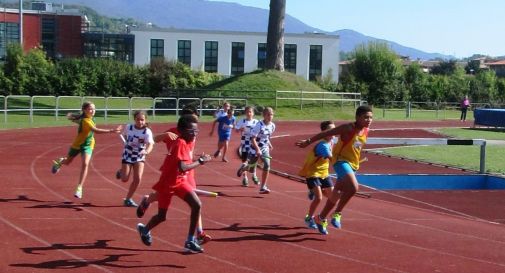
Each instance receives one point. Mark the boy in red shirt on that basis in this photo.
(176, 179)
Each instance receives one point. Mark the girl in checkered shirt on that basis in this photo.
(139, 142)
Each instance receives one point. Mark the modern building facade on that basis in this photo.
(58, 33)
(232, 53)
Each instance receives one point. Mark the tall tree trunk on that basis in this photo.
(275, 37)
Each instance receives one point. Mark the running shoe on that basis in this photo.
(255, 180)
(193, 247)
(335, 220)
(309, 221)
(57, 165)
(78, 192)
(145, 235)
(141, 209)
(264, 190)
(203, 238)
(321, 225)
(241, 169)
(245, 182)
(130, 203)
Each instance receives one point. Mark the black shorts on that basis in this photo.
(319, 182)
(244, 156)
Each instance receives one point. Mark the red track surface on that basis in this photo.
(45, 228)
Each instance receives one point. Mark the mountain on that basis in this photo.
(207, 15)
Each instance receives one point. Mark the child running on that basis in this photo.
(139, 142)
(261, 134)
(223, 111)
(346, 158)
(244, 126)
(225, 126)
(83, 144)
(315, 171)
(174, 181)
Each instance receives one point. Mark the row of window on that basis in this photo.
(9, 33)
(237, 56)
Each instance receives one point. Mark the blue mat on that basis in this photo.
(489, 117)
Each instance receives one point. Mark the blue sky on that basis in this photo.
(453, 27)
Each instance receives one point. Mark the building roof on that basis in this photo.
(500, 62)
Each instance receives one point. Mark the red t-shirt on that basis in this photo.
(171, 175)
(169, 142)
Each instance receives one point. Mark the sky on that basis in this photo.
(453, 27)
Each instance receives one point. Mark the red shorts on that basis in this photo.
(165, 198)
(166, 191)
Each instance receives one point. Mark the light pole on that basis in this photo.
(21, 23)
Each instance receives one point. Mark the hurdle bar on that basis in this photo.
(435, 141)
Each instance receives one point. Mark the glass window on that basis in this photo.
(290, 58)
(237, 58)
(211, 49)
(157, 48)
(48, 35)
(262, 55)
(315, 62)
(113, 46)
(184, 52)
(9, 33)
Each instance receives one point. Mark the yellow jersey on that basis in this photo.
(317, 161)
(85, 136)
(348, 148)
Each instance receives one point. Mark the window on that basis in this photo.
(211, 56)
(184, 52)
(290, 58)
(49, 36)
(315, 62)
(9, 33)
(157, 50)
(262, 55)
(237, 58)
(112, 46)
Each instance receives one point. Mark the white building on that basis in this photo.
(231, 53)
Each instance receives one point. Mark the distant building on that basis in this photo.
(498, 67)
(57, 32)
(232, 53)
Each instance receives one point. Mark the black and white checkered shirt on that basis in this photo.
(136, 141)
(245, 140)
(262, 132)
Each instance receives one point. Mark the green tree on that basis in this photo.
(36, 73)
(416, 81)
(483, 88)
(13, 60)
(444, 68)
(378, 67)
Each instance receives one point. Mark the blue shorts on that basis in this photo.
(342, 168)
(224, 137)
(319, 182)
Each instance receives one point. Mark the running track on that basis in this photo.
(44, 228)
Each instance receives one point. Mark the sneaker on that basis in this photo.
(255, 180)
(264, 190)
(118, 174)
(193, 247)
(78, 192)
(309, 221)
(335, 220)
(145, 235)
(141, 210)
(57, 165)
(241, 169)
(321, 225)
(311, 195)
(130, 203)
(245, 183)
(203, 238)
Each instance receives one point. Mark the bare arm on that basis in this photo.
(202, 159)
(213, 125)
(163, 136)
(331, 132)
(116, 130)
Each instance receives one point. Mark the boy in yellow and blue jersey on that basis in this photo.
(315, 171)
(345, 161)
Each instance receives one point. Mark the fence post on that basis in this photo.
(482, 168)
(408, 104)
(276, 94)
